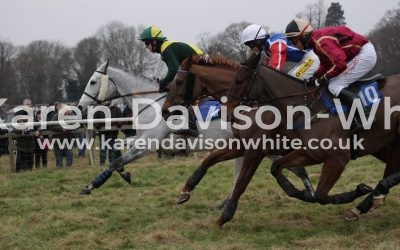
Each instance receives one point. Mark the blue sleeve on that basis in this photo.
(294, 54)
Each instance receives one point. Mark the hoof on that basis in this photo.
(378, 201)
(126, 176)
(352, 215)
(183, 197)
(220, 222)
(85, 191)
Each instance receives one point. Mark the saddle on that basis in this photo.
(367, 89)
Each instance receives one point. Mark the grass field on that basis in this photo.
(42, 210)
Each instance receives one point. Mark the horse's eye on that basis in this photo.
(92, 82)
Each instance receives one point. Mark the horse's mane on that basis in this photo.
(214, 60)
(255, 58)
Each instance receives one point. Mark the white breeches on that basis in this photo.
(356, 69)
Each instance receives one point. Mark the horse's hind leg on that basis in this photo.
(198, 174)
(391, 177)
(238, 168)
(297, 160)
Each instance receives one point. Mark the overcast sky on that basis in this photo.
(69, 21)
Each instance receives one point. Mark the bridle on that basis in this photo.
(188, 98)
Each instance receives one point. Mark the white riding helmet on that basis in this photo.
(253, 32)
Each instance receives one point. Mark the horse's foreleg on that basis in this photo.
(198, 174)
(238, 167)
(298, 159)
(251, 162)
(302, 174)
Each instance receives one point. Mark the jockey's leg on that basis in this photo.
(192, 131)
(348, 98)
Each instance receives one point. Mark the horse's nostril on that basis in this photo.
(80, 107)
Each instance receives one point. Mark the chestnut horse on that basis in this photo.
(272, 87)
(201, 76)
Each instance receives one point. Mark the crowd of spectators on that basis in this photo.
(31, 151)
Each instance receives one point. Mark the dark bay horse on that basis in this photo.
(181, 93)
(272, 87)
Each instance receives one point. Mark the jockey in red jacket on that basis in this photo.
(278, 50)
(345, 56)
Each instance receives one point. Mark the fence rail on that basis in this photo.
(13, 133)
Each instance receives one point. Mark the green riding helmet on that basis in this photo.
(152, 33)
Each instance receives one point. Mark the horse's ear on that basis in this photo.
(105, 68)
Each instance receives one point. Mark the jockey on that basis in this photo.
(279, 50)
(345, 57)
(173, 54)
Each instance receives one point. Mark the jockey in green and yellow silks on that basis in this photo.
(172, 53)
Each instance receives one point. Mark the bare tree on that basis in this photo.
(385, 37)
(7, 71)
(121, 45)
(87, 55)
(42, 68)
(314, 13)
(226, 43)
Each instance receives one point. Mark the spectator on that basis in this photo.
(128, 132)
(40, 153)
(25, 143)
(63, 136)
(108, 136)
(82, 146)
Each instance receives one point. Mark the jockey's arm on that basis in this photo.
(331, 54)
(278, 52)
(173, 66)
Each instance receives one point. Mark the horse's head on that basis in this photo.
(200, 76)
(241, 85)
(98, 89)
(185, 88)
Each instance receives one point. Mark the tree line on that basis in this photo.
(48, 71)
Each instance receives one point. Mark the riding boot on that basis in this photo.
(347, 97)
(192, 131)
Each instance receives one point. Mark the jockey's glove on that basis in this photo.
(314, 81)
